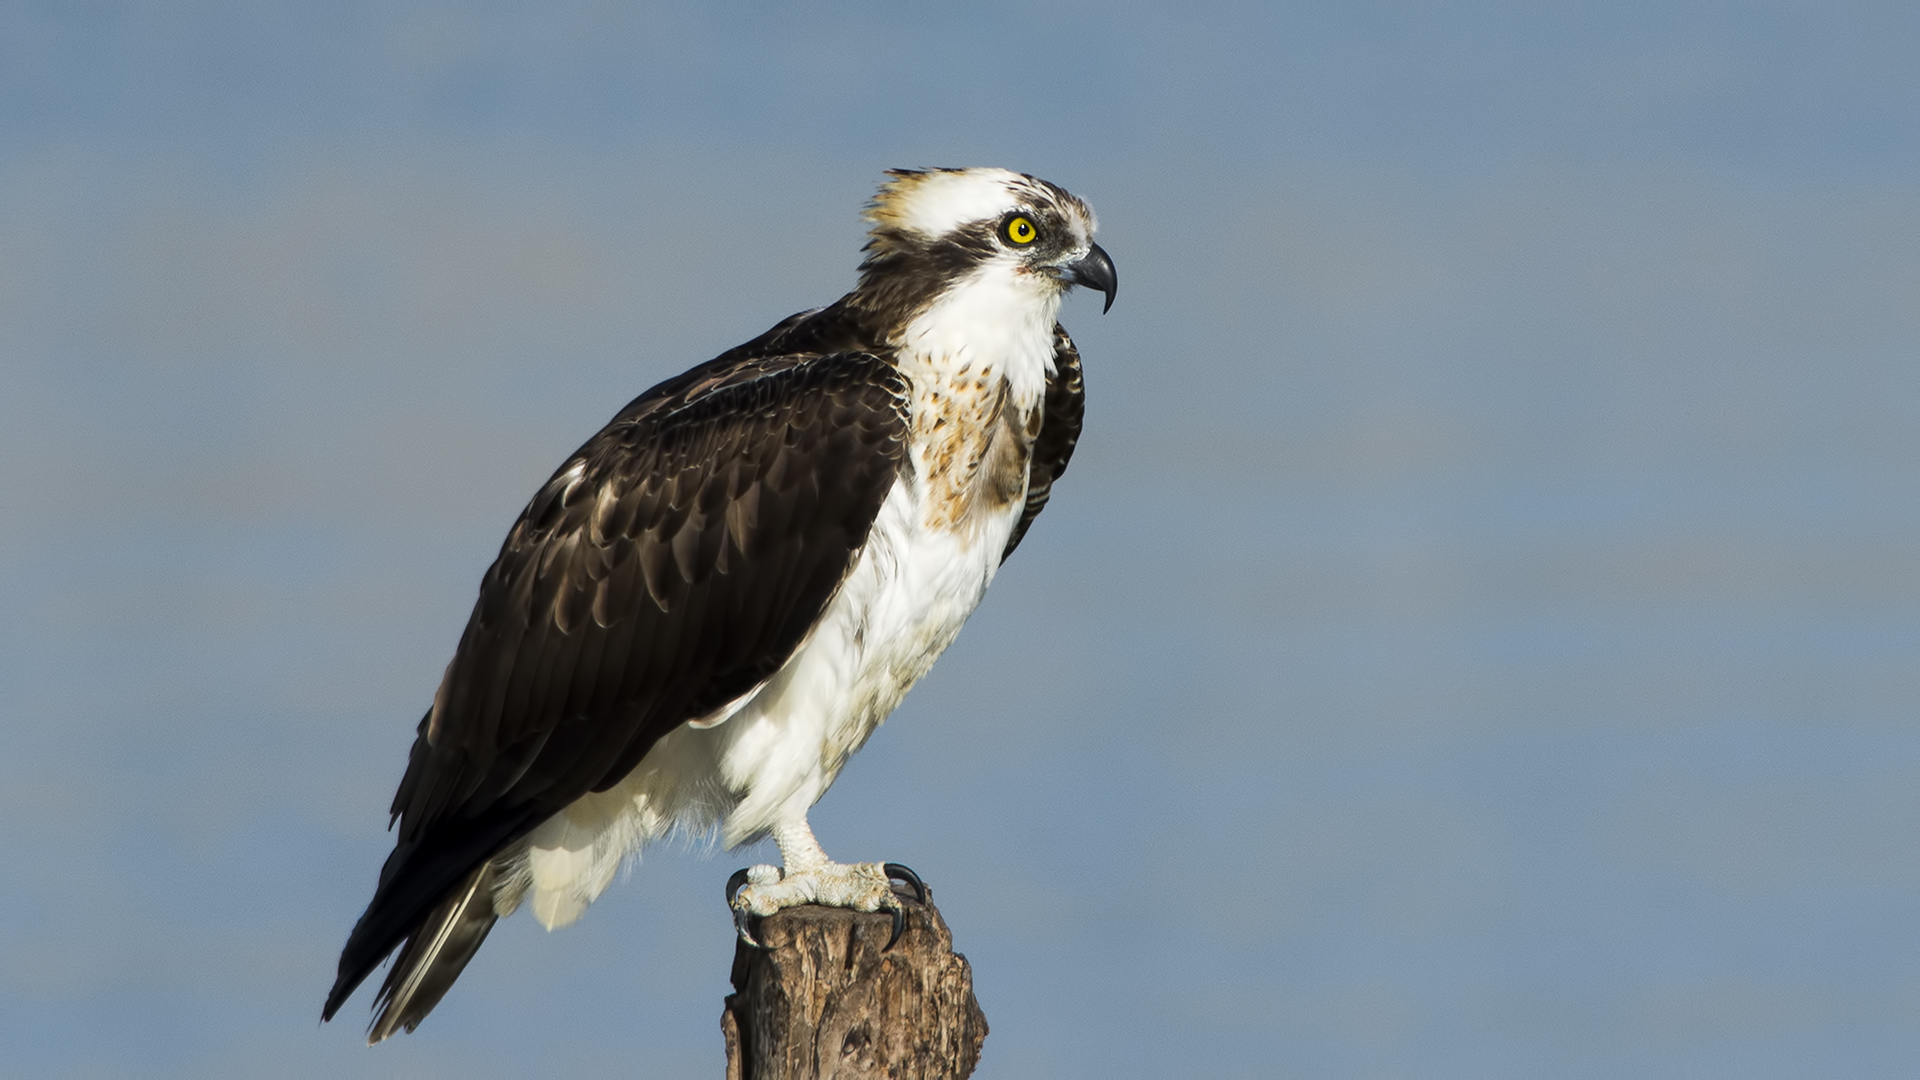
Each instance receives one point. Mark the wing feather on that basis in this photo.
(1063, 407)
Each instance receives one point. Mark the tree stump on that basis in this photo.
(822, 1001)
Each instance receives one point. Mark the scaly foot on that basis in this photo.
(759, 891)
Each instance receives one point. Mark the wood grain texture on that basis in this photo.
(823, 1001)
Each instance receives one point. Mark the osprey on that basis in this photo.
(716, 600)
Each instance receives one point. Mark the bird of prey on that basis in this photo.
(716, 600)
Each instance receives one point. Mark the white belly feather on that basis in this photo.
(909, 592)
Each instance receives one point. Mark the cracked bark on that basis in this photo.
(822, 1002)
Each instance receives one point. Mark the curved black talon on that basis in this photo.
(899, 924)
(740, 919)
(896, 872)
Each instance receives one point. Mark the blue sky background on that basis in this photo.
(1477, 637)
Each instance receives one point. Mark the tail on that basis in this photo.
(430, 958)
(434, 955)
(434, 904)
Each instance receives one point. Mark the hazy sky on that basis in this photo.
(1477, 636)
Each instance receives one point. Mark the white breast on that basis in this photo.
(906, 599)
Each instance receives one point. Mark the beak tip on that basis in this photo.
(1095, 271)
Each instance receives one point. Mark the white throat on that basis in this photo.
(997, 321)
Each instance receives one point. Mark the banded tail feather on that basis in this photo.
(433, 956)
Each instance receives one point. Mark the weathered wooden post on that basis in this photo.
(825, 999)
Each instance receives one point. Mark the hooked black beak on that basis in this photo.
(1095, 271)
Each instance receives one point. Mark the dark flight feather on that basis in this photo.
(430, 960)
(1062, 409)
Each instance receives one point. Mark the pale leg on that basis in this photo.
(809, 877)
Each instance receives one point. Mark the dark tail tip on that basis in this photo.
(434, 956)
(430, 958)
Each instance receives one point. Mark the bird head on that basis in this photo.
(933, 228)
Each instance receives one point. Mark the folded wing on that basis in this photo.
(1061, 411)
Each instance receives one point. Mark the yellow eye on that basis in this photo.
(1021, 231)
